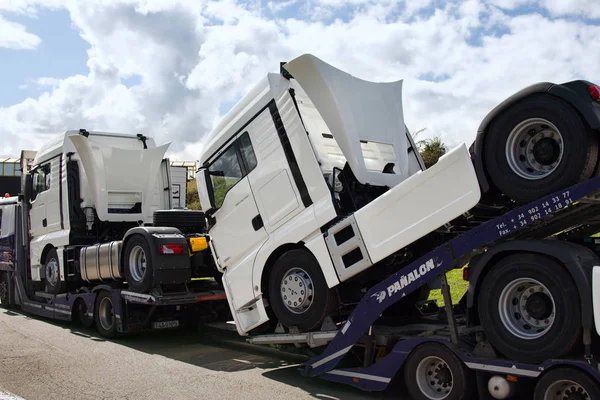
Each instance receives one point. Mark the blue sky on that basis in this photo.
(61, 53)
(173, 69)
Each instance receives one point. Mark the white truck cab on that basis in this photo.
(86, 188)
(312, 180)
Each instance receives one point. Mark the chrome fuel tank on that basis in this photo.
(100, 262)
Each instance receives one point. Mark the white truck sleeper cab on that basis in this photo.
(319, 171)
(88, 188)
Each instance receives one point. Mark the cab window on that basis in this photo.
(41, 181)
(225, 172)
(231, 166)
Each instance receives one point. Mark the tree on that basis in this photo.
(430, 149)
(192, 201)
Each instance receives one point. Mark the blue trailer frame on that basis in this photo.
(437, 262)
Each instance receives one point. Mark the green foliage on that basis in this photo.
(192, 201)
(431, 150)
(458, 287)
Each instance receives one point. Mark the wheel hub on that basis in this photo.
(546, 151)
(566, 390)
(52, 271)
(297, 290)
(534, 149)
(137, 263)
(434, 378)
(526, 308)
(106, 313)
(444, 376)
(539, 306)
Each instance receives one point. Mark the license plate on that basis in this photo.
(165, 324)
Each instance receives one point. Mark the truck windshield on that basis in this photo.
(225, 172)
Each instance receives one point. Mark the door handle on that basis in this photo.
(257, 222)
(44, 222)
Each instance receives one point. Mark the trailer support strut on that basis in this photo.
(449, 309)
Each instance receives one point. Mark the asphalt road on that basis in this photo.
(42, 359)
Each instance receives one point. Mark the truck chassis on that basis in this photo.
(386, 348)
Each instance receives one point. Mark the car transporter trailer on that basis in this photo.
(430, 352)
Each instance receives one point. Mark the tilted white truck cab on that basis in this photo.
(90, 187)
(310, 182)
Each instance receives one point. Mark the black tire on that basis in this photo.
(53, 286)
(560, 382)
(579, 157)
(104, 315)
(187, 221)
(508, 333)
(139, 278)
(6, 291)
(323, 302)
(80, 314)
(431, 366)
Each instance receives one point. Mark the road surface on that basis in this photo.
(41, 359)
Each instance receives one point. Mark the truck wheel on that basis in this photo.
(433, 372)
(52, 278)
(529, 308)
(138, 264)
(538, 146)
(104, 315)
(80, 314)
(298, 292)
(566, 383)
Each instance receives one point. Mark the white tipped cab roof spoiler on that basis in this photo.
(119, 178)
(356, 110)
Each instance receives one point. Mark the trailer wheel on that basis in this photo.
(566, 383)
(298, 292)
(538, 146)
(5, 290)
(138, 264)
(433, 372)
(81, 314)
(529, 308)
(104, 315)
(52, 278)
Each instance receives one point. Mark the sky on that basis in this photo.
(171, 69)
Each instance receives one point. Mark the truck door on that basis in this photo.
(238, 232)
(37, 214)
(52, 196)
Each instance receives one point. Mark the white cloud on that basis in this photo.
(557, 8)
(15, 36)
(586, 8)
(42, 82)
(194, 57)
